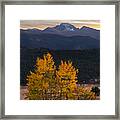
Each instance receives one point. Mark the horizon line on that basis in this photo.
(31, 28)
(40, 24)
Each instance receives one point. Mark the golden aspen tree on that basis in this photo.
(40, 81)
(48, 83)
(67, 77)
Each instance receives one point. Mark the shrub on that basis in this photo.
(96, 90)
(85, 94)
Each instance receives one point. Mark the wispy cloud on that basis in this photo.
(42, 24)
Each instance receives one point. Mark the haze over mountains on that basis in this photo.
(61, 37)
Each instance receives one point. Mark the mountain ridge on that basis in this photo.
(63, 36)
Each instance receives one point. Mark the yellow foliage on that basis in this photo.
(39, 80)
(67, 76)
(49, 83)
(85, 94)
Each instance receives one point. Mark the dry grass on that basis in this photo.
(23, 91)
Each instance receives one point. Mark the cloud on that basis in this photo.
(42, 24)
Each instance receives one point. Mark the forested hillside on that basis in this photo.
(86, 61)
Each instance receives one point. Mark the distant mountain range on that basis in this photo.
(61, 37)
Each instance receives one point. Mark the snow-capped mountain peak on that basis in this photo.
(65, 27)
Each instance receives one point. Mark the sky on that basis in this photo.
(42, 24)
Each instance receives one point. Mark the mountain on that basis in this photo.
(87, 31)
(31, 31)
(58, 42)
(61, 37)
(67, 29)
